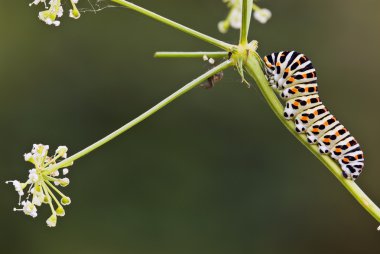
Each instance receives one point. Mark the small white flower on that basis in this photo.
(60, 12)
(36, 2)
(74, 13)
(65, 171)
(52, 220)
(55, 174)
(378, 229)
(29, 209)
(223, 26)
(55, 10)
(60, 211)
(40, 149)
(65, 201)
(33, 176)
(205, 58)
(211, 61)
(40, 179)
(64, 182)
(38, 196)
(236, 18)
(18, 187)
(62, 151)
(262, 15)
(28, 156)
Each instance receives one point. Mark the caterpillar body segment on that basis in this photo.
(343, 147)
(310, 116)
(299, 90)
(297, 105)
(293, 75)
(332, 137)
(315, 131)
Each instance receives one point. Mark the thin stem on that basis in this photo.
(52, 195)
(255, 7)
(246, 21)
(254, 69)
(198, 54)
(48, 196)
(142, 117)
(56, 189)
(192, 32)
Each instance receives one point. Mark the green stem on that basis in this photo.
(49, 198)
(198, 54)
(246, 20)
(253, 67)
(56, 189)
(192, 32)
(142, 117)
(255, 7)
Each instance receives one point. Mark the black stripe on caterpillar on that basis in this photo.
(293, 75)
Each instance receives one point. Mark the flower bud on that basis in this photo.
(52, 220)
(60, 211)
(64, 182)
(62, 151)
(65, 201)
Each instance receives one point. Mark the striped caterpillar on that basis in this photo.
(293, 75)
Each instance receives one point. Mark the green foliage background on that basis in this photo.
(215, 172)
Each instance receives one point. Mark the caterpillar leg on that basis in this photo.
(293, 75)
(315, 131)
(295, 106)
(327, 141)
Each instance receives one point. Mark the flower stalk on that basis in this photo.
(254, 69)
(246, 21)
(196, 82)
(220, 44)
(198, 54)
(242, 56)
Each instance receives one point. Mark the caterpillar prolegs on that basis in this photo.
(293, 75)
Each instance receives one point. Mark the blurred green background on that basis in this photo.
(211, 173)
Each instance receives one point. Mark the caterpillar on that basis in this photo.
(292, 74)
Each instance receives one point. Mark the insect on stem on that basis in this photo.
(196, 82)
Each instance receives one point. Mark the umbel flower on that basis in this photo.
(234, 17)
(41, 186)
(55, 10)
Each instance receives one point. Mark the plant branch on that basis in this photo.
(192, 32)
(246, 21)
(253, 67)
(142, 117)
(198, 54)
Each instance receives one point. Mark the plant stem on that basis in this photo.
(142, 117)
(253, 67)
(255, 7)
(198, 54)
(192, 32)
(246, 20)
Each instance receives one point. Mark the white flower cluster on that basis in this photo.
(55, 11)
(234, 18)
(40, 188)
